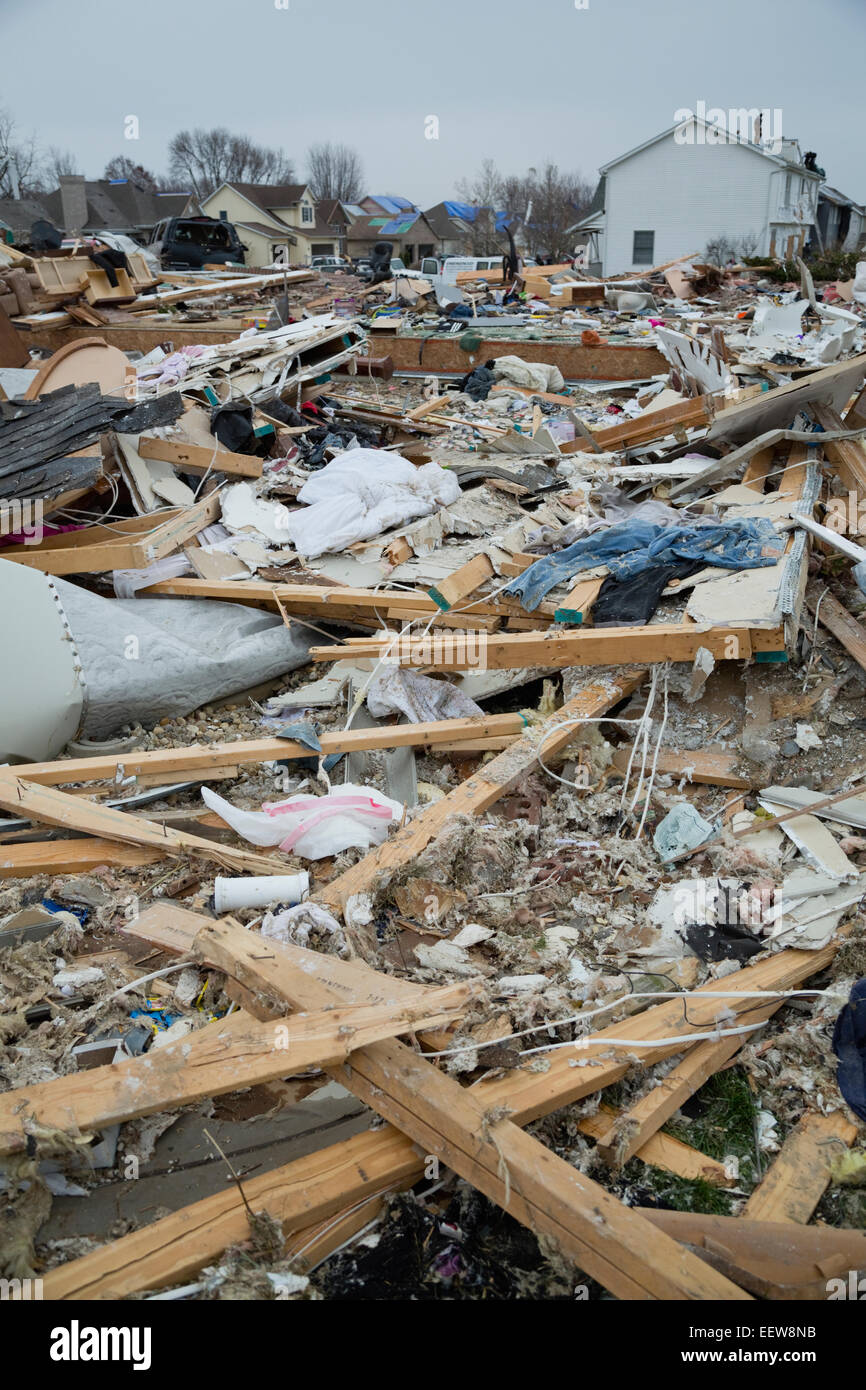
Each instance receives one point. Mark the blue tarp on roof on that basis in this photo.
(392, 204)
(468, 212)
(400, 225)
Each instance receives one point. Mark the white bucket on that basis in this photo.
(231, 893)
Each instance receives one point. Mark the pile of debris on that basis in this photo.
(477, 746)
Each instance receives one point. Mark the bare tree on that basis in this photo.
(122, 167)
(57, 163)
(19, 160)
(207, 158)
(555, 200)
(335, 171)
(484, 193)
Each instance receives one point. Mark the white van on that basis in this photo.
(456, 265)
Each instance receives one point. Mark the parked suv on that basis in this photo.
(187, 243)
(329, 263)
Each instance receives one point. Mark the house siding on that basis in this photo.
(690, 194)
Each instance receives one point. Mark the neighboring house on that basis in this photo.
(673, 194)
(92, 206)
(840, 221)
(409, 232)
(276, 222)
(17, 216)
(457, 227)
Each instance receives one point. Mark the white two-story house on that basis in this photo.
(680, 191)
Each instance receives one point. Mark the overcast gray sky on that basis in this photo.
(519, 83)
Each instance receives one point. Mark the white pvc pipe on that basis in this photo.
(232, 893)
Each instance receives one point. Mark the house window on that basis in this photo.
(306, 212)
(787, 190)
(642, 251)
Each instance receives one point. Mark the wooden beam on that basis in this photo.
(847, 456)
(606, 646)
(52, 807)
(313, 1188)
(462, 582)
(510, 1167)
(204, 758)
(800, 1174)
(714, 768)
(228, 1055)
(653, 424)
(843, 625)
(577, 604)
(122, 545)
(660, 1150)
(483, 789)
(198, 458)
(70, 856)
(630, 1130)
(773, 1260)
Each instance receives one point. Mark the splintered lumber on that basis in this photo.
(132, 544)
(716, 769)
(52, 807)
(847, 456)
(172, 1250)
(462, 582)
(486, 787)
(70, 856)
(660, 1150)
(206, 758)
(235, 1052)
(576, 605)
(513, 1169)
(198, 458)
(773, 1260)
(311, 1189)
(338, 601)
(630, 1130)
(844, 627)
(653, 424)
(604, 646)
(799, 1175)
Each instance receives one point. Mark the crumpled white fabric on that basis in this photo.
(394, 690)
(362, 493)
(531, 376)
(294, 925)
(314, 826)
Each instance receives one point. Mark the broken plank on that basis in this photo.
(773, 1260)
(228, 1055)
(52, 807)
(575, 607)
(70, 856)
(204, 758)
(660, 1150)
(800, 1173)
(462, 582)
(513, 1169)
(484, 789)
(843, 625)
(715, 769)
(198, 458)
(606, 646)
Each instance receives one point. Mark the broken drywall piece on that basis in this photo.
(243, 511)
(704, 665)
(814, 842)
(849, 810)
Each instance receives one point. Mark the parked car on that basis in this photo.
(330, 263)
(187, 243)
